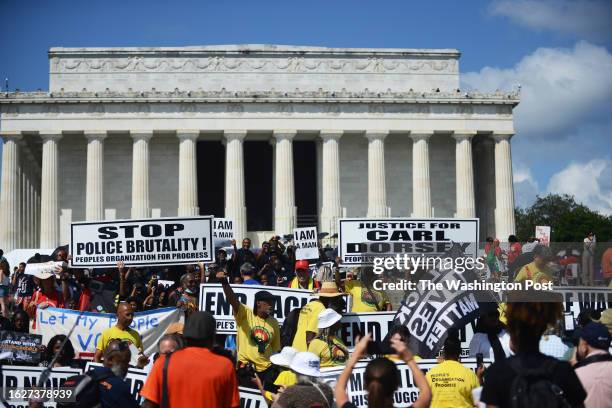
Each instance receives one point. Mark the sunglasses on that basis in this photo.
(118, 345)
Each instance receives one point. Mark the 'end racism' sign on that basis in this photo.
(142, 242)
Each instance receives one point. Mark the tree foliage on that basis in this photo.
(569, 220)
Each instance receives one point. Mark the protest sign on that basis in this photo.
(151, 325)
(27, 377)
(135, 378)
(160, 241)
(543, 234)
(360, 240)
(314, 269)
(580, 298)
(407, 392)
(23, 347)
(212, 299)
(306, 243)
(44, 267)
(223, 232)
(251, 398)
(360, 324)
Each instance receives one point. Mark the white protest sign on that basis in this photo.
(251, 398)
(27, 377)
(212, 299)
(542, 232)
(135, 378)
(151, 326)
(223, 232)
(407, 392)
(580, 298)
(360, 324)
(360, 240)
(160, 241)
(306, 243)
(48, 267)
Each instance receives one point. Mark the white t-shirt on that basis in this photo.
(480, 344)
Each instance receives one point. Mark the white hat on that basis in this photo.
(285, 356)
(327, 318)
(306, 363)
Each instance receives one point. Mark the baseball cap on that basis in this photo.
(263, 295)
(285, 356)
(327, 318)
(595, 334)
(200, 326)
(306, 363)
(303, 264)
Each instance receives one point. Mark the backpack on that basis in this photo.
(534, 388)
(287, 332)
(86, 390)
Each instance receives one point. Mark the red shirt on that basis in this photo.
(55, 300)
(515, 250)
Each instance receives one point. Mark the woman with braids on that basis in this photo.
(529, 374)
(327, 346)
(382, 377)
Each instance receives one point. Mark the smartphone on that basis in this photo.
(479, 360)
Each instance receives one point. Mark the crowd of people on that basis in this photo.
(195, 366)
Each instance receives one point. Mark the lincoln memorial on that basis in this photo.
(271, 136)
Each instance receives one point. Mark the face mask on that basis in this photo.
(191, 292)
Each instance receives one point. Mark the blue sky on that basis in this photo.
(559, 51)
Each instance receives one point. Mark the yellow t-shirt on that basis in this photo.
(308, 321)
(116, 333)
(295, 284)
(533, 273)
(451, 385)
(362, 299)
(286, 378)
(332, 356)
(257, 339)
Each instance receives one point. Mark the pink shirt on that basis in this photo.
(596, 378)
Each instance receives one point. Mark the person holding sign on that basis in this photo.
(381, 377)
(330, 349)
(258, 333)
(303, 280)
(121, 330)
(365, 297)
(47, 294)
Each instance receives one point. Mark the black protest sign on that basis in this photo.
(145, 242)
(23, 347)
(27, 377)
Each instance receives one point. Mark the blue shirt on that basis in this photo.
(251, 282)
(114, 391)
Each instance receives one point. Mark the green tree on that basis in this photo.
(569, 221)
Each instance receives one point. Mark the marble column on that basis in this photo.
(421, 184)
(94, 195)
(331, 208)
(188, 173)
(140, 174)
(504, 192)
(9, 210)
(377, 190)
(235, 207)
(49, 194)
(285, 212)
(464, 173)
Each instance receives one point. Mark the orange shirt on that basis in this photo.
(196, 378)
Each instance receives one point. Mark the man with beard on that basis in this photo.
(594, 366)
(114, 391)
(258, 334)
(186, 297)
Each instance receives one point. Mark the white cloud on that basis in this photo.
(560, 87)
(582, 18)
(588, 182)
(525, 186)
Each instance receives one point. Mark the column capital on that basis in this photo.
(421, 135)
(145, 135)
(460, 135)
(234, 134)
(188, 134)
(502, 135)
(376, 134)
(95, 134)
(284, 134)
(331, 134)
(10, 135)
(55, 136)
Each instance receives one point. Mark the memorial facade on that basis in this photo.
(270, 136)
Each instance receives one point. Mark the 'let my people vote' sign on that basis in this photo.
(142, 242)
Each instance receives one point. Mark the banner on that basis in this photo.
(89, 326)
(360, 240)
(580, 298)
(360, 324)
(306, 243)
(251, 398)
(212, 299)
(27, 377)
(24, 347)
(49, 267)
(145, 242)
(407, 392)
(135, 378)
(543, 234)
(223, 232)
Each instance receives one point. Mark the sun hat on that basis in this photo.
(285, 357)
(329, 289)
(327, 318)
(306, 363)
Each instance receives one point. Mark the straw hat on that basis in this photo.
(329, 289)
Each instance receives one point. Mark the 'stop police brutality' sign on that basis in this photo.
(142, 242)
(363, 239)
